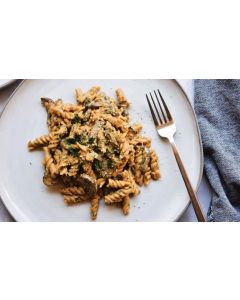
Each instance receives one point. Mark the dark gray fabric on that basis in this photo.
(217, 104)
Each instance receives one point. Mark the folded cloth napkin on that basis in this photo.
(217, 104)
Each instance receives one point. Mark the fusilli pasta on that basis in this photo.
(93, 152)
(155, 171)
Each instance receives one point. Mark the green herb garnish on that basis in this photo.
(91, 140)
(76, 119)
(73, 152)
(70, 141)
(77, 138)
(97, 164)
(110, 163)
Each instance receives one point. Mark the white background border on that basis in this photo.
(119, 39)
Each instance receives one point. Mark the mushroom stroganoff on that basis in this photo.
(92, 152)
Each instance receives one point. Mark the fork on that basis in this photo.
(166, 128)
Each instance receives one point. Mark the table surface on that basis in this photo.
(204, 192)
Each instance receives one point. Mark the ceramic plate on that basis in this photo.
(24, 118)
(5, 82)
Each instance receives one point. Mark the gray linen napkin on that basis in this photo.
(217, 104)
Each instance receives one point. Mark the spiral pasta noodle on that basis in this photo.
(94, 206)
(54, 141)
(39, 142)
(117, 196)
(122, 98)
(155, 171)
(48, 162)
(138, 162)
(126, 205)
(117, 184)
(73, 199)
(73, 191)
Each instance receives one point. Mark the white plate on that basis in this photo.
(21, 172)
(5, 82)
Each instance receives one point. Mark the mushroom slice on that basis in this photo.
(89, 184)
(46, 102)
(48, 180)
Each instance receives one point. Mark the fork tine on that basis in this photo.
(160, 119)
(166, 108)
(164, 117)
(152, 112)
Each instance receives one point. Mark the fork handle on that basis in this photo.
(196, 205)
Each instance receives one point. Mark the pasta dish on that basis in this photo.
(92, 152)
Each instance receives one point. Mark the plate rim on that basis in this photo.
(10, 81)
(20, 217)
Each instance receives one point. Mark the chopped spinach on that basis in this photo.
(70, 141)
(97, 164)
(77, 138)
(91, 140)
(76, 119)
(110, 163)
(73, 152)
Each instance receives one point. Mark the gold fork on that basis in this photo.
(166, 128)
